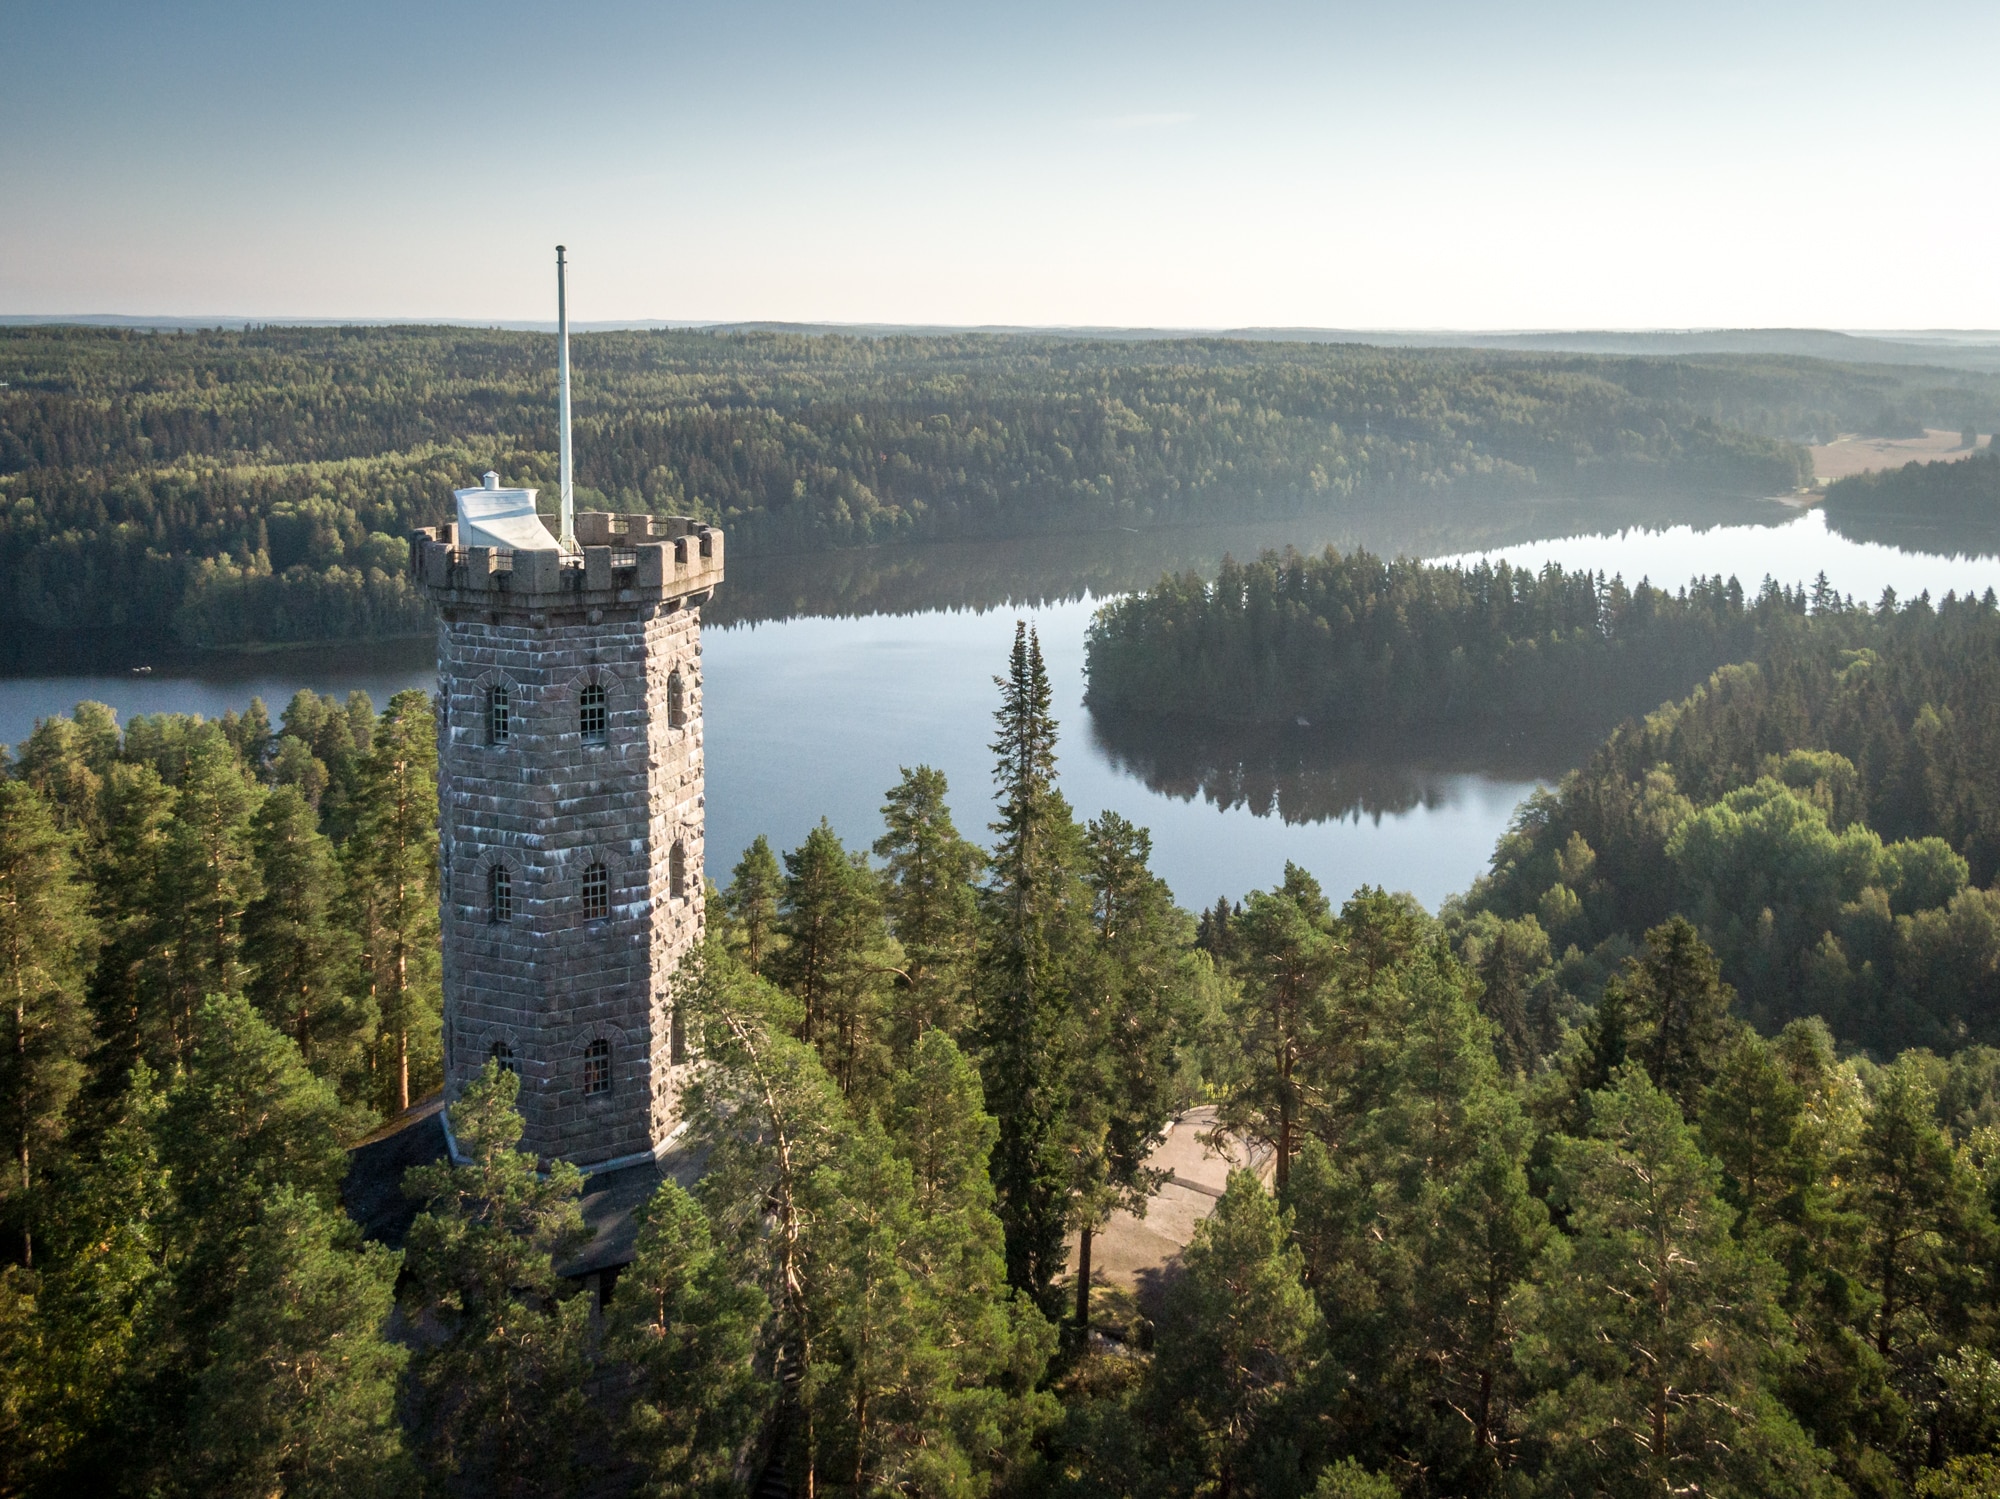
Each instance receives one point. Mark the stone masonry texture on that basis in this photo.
(549, 802)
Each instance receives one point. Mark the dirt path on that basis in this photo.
(1139, 1254)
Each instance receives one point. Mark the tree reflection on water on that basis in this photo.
(1334, 774)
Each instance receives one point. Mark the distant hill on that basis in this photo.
(1960, 349)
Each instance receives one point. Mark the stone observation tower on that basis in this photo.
(569, 804)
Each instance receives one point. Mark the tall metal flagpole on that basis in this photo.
(568, 537)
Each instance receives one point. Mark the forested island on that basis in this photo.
(1351, 642)
(1614, 1177)
(224, 488)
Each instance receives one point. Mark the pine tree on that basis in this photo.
(80, 1333)
(1236, 1342)
(931, 901)
(1288, 957)
(45, 948)
(1924, 1230)
(299, 959)
(1135, 997)
(500, 1397)
(1650, 1325)
(124, 870)
(879, 1368)
(59, 762)
(751, 902)
(249, 734)
(770, 1120)
(687, 1327)
(1035, 915)
(244, 1118)
(836, 957)
(301, 1396)
(204, 879)
(392, 873)
(1485, 1238)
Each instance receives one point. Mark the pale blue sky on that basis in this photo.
(1415, 165)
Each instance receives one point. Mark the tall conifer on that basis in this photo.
(1036, 911)
(299, 959)
(45, 947)
(392, 875)
(932, 904)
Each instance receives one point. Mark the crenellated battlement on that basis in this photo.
(625, 560)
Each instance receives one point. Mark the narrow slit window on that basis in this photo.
(500, 892)
(596, 893)
(593, 719)
(499, 724)
(676, 703)
(503, 1054)
(597, 1069)
(677, 871)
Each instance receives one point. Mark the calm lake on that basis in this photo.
(823, 675)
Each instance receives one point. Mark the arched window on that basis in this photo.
(504, 1055)
(498, 722)
(597, 1068)
(676, 703)
(677, 871)
(500, 893)
(592, 720)
(596, 893)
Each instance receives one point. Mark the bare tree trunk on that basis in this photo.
(1083, 1280)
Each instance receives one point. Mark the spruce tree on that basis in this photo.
(687, 1327)
(301, 1396)
(392, 873)
(932, 903)
(1679, 1010)
(299, 959)
(1035, 923)
(751, 902)
(999, 1343)
(46, 937)
(500, 1400)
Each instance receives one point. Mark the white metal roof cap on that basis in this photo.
(494, 517)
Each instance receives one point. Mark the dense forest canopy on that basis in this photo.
(1829, 815)
(254, 486)
(1529, 1224)
(1353, 642)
